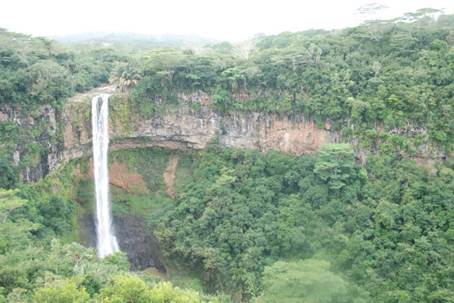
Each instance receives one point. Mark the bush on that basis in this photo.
(66, 292)
(309, 281)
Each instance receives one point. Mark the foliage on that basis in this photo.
(65, 293)
(8, 175)
(383, 83)
(37, 71)
(308, 281)
(28, 257)
(37, 76)
(243, 208)
(129, 288)
(252, 224)
(34, 266)
(385, 229)
(335, 165)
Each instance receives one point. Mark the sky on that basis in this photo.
(218, 19)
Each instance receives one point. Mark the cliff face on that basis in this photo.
(184, 128)
(66, 134)
(29, 140)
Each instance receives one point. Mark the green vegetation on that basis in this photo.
(259, 227)
(384, 227)
(122, 288)
(38, 71)
(130, 289)
(150, 165)
(242, 221)
(307, 281)
(387, 84)
(34, 267)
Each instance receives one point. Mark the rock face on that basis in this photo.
(68, 133)
(184, 128)
(129, 181)
(119, 176)
(138, 241)
(295, 135)
(37, 128)
(134, 238)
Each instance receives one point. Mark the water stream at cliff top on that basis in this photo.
(106, 240)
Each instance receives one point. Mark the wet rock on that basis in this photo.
(134, 238)
(137, 240)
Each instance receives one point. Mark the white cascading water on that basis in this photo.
(106, 241)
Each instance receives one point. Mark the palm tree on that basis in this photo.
(129, 77)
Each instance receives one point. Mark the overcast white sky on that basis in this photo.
(220, 19)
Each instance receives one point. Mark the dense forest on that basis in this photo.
(328, 227)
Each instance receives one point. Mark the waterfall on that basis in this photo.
(106, 241)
